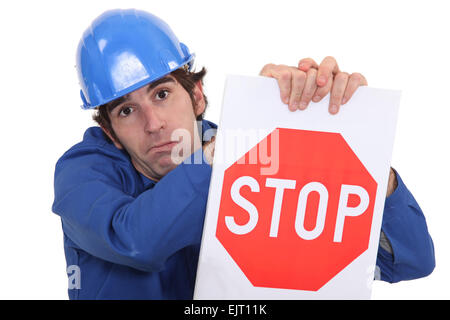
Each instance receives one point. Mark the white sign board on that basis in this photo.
(296, 198)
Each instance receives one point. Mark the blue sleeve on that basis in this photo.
(405, 227)
(140, 232)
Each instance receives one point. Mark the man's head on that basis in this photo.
(136, 73)
(144, 121)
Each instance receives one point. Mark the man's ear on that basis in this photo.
(116, 143)
(200, 103)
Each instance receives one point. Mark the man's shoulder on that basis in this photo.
(94, 147)
(94, 136)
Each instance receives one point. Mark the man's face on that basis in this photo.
(145, 122)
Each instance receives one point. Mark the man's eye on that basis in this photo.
(125, 111)
(162, 94)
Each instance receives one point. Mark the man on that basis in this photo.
(132, 217)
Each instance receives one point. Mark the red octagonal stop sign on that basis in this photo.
(299, 227)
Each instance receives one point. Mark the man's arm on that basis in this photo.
(406, 249)
(140, 232)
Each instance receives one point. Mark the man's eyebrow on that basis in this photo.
(113, 104)
(156, 83)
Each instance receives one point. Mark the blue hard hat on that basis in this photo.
(124, 50)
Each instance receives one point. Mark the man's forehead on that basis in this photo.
(113, 104)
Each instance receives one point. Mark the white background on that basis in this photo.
(395, 44)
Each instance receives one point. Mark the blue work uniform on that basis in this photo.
(132, 238)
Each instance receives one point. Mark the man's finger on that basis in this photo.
(284, 78)
(321, 92)
(310, 88)
(306, 64)
(283, 75)
(337, 91)
(297, 86)
(327, 69)
(354, 82)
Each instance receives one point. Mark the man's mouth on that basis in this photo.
(166, 146)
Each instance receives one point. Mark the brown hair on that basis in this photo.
(187, 80)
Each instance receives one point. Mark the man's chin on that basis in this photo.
(165, 166)
(155, 169)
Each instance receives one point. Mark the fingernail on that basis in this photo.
(344, 101)
(303, 105)
(316, 99)
(333, 109)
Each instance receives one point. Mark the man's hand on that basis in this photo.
(392, 183)
(312, 82)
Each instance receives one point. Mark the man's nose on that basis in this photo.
(154, 119)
